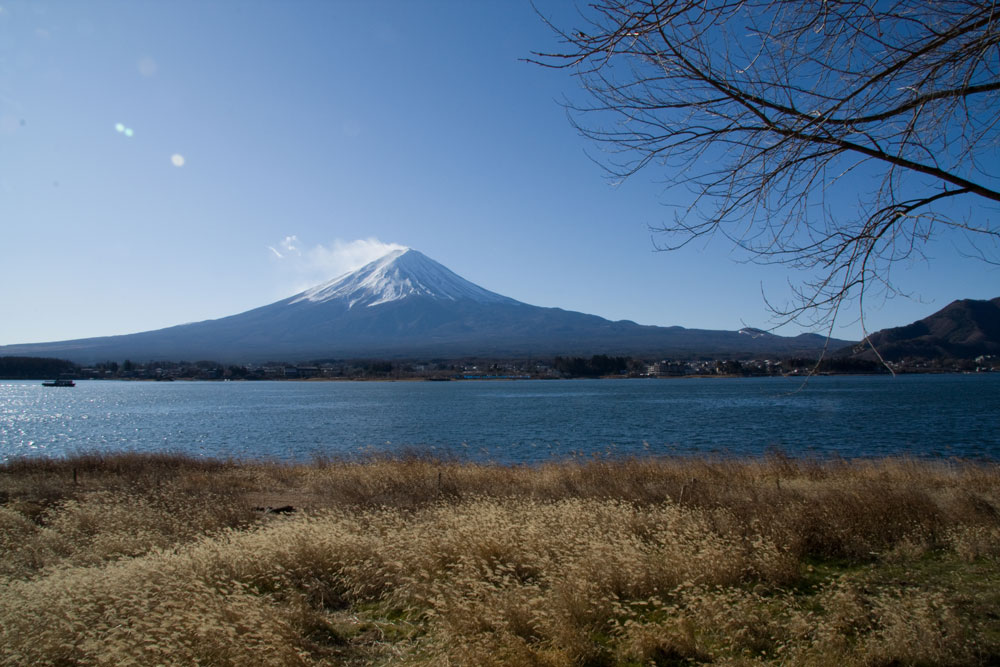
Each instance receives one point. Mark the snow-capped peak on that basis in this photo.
(400, 274)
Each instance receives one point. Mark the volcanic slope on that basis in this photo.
(406, 305)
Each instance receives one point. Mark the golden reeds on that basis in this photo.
(163, 559)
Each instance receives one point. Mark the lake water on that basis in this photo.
(511, 422)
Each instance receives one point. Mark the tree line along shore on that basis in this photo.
(162, 558)
(12, 368)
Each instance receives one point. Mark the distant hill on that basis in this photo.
(406, 305)
(963, 329)
(34, 368)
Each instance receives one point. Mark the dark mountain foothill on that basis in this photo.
(406, 305)
(964, 329)
(34, 368)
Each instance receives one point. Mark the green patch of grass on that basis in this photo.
(818, 572)
(972, 589)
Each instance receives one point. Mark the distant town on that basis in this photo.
(596, 366)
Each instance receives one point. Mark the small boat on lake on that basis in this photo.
(61, 382)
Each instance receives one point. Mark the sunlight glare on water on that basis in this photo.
(511, 422)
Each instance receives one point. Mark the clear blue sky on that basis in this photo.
(167, 162)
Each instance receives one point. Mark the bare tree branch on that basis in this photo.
(768, 110)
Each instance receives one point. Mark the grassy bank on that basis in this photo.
(162, 559)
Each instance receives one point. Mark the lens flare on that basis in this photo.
(147, 66)
(177, 160)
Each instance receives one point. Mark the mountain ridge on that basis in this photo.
(405, 304)
(964, 329)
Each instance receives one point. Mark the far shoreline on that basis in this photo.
(720, 376)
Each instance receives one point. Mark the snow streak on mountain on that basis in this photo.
(398, 275)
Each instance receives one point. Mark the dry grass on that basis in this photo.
(163, 560)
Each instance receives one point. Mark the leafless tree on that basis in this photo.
(780, 115)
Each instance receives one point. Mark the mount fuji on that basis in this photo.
(407, 305)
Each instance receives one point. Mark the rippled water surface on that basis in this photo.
(511, 422)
